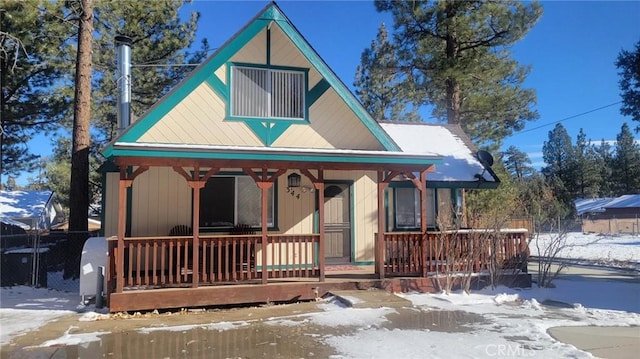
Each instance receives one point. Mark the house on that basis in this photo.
(610, 215)
(262, 168)
(25, 217)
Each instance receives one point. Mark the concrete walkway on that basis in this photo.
(603, 342)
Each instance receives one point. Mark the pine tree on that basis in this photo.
(457, 54)
(379, 86)
(517, 163)
(587, 174)
(32, 65)
(626, 163)
(604, 162)
(557, 153)
(628, 64)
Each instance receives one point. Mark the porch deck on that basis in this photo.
(154, 273)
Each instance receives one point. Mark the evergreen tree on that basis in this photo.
(626, 163)
(557, 153)
(378, 84)
(628, 64)
(587, 174)
(604, 162)
(457, 54)
(32, 64)
(160, 55)
(517, 163)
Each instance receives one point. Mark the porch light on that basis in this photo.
(293, 180)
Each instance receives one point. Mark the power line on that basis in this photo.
(567, 118)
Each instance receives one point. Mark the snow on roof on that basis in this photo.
(626, 201)
(459, 163)
(33, 208)
(590, 205)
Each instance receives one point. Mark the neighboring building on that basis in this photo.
(610, 215)
(25, 217)
(262, 165)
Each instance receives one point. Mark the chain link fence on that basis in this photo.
(43, 260)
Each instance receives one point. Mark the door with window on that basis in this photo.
(337, 223)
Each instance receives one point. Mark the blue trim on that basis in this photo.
(218, 87)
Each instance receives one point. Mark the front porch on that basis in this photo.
(158, 272)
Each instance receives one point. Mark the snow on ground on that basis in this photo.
(621, 251)
(26, 308)
(514, 322)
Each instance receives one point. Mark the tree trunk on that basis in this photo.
(453, 87)
(79, 193)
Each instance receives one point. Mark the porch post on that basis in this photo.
(264, 186)
(123, 184)
(196, 184)
(379, 247)
(320, 188)
(423, 221)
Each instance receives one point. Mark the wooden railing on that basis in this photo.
(420, 254)
(164, 262)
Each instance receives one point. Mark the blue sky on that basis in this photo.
(572, 51)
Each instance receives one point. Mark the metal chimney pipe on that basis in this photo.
(123, 81)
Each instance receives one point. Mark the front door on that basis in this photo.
(337, 223)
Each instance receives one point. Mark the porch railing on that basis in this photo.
(477, 250)
(164, 262)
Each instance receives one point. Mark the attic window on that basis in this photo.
(267, 93)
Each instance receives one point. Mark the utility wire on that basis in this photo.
(567, 118)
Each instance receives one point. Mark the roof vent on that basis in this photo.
(123, 82)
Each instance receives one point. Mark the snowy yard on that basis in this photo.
(508, 322)
(621, 251)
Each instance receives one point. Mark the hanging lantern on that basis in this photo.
(293, 180)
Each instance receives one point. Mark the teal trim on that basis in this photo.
(218, 86)
(463, 184)
(129, 204)
(385, 195)
(245, 35)
(202, 73)
(267, 129)
(268, 60)
(289, 266)
(103, 183)
(316, 92)
(264, 156)
(346, 95)
(364, 263)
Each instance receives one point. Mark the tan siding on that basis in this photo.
(332, 125)
(199, 119)
(221, 73)
(254, 52)
(445, 207)
(160, 200)
(110, 224)
(295, 215)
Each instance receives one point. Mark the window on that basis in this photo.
(267, 93)
(407, 207)
(226, 201)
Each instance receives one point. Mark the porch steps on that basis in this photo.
(371, 298)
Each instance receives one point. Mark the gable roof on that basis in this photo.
(460, 166)
(205, 73)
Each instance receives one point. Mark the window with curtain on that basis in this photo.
(227, 201)
(267, 93)
(407, 208)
